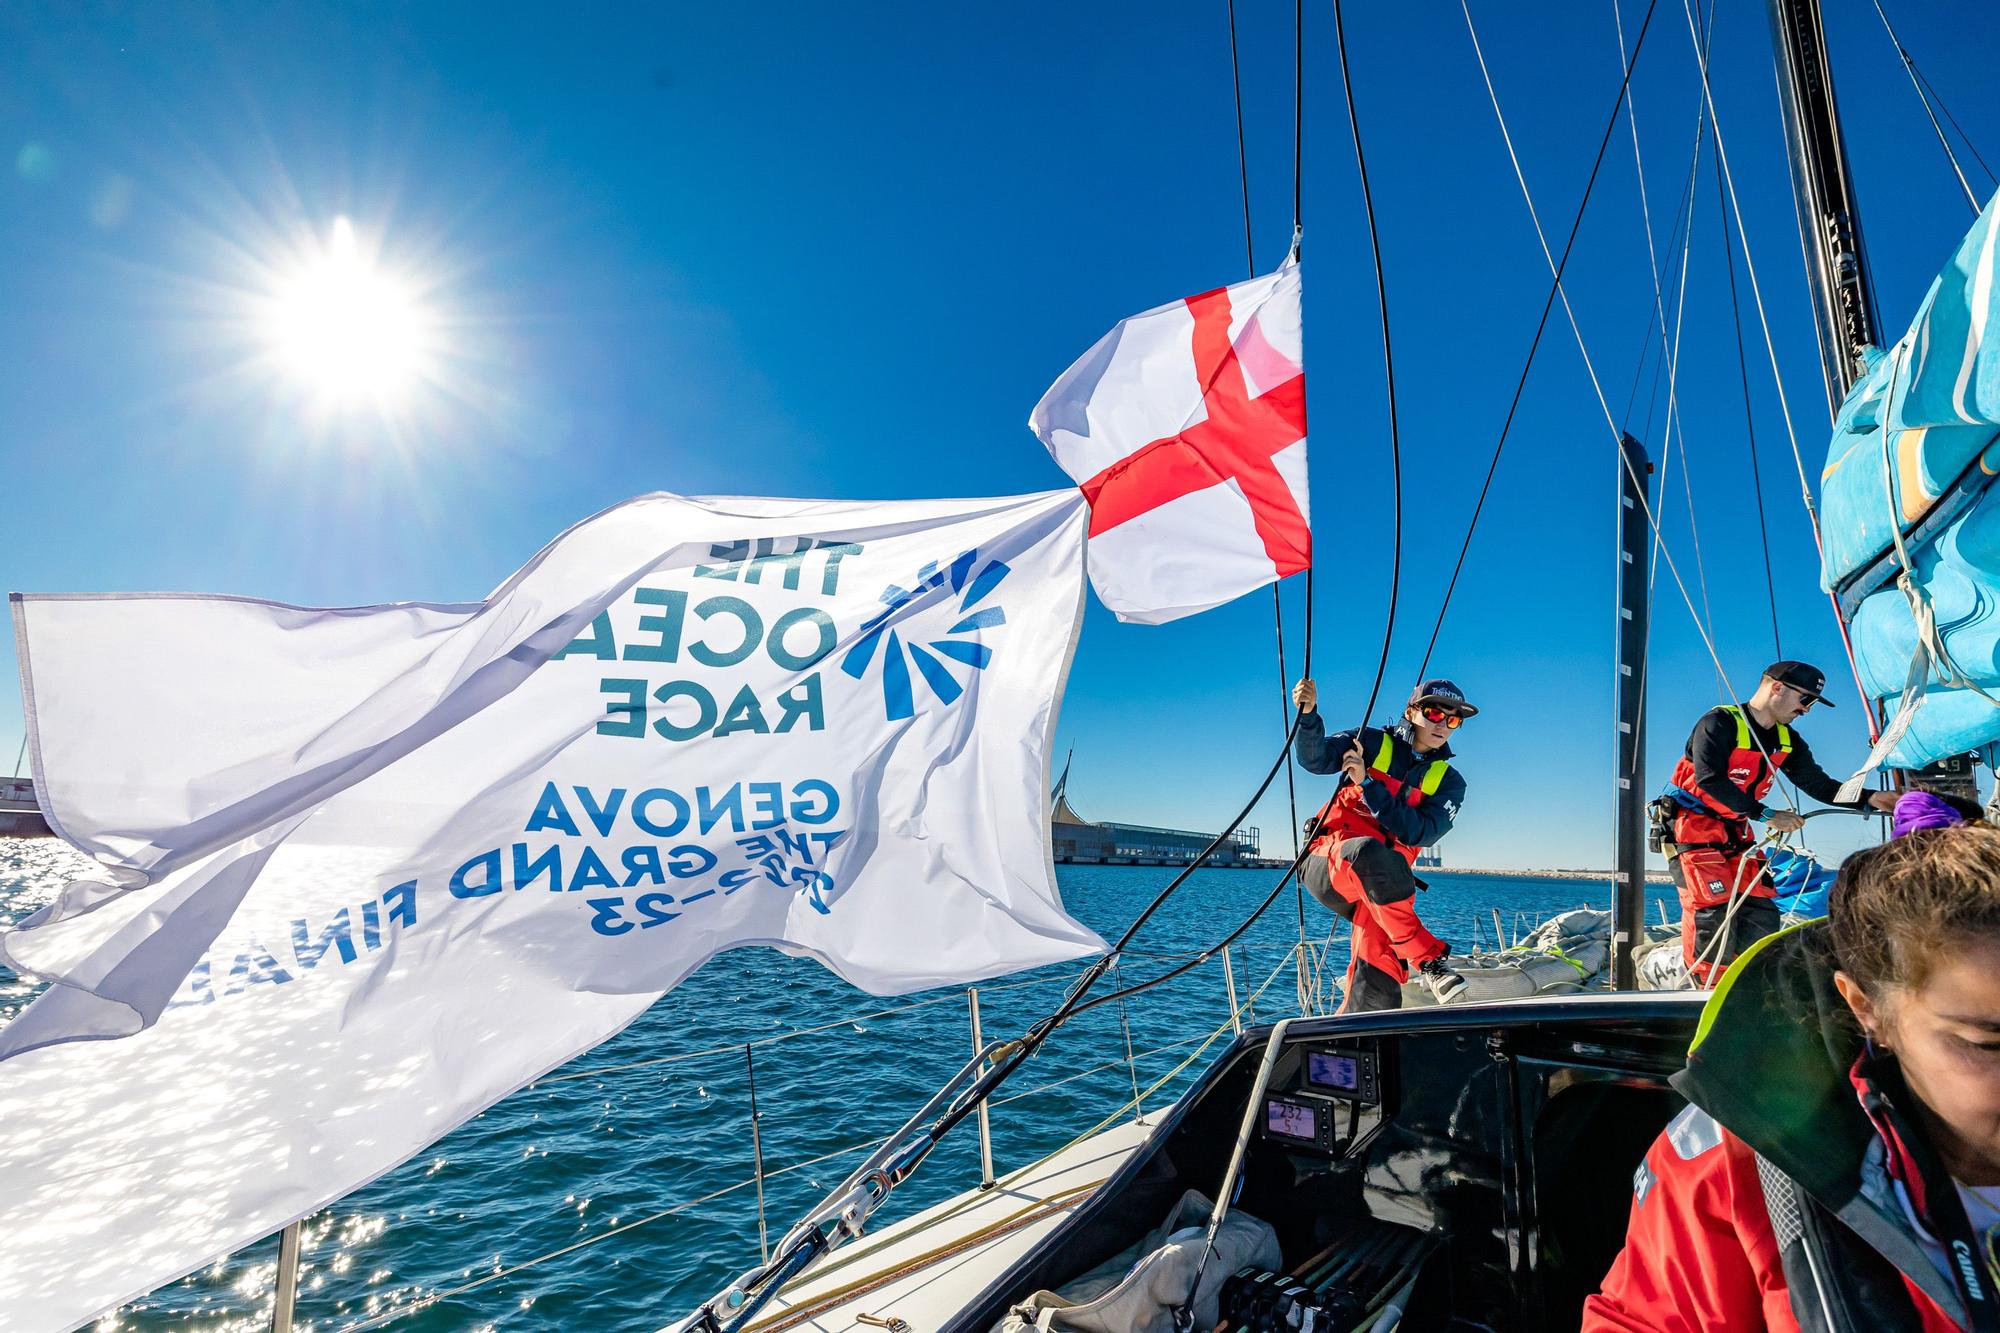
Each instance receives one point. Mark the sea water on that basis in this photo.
(642, 1147)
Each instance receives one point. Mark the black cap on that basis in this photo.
(1801, 676)
(1437, 690)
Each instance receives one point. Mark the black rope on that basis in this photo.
(1749, 418)
(1388, 367)
(1041, 1030)
(1298, 151)
(1298, 110)
(1204, 955)
(1008, 1057)
(1277, 601)
(1242, 155)
(1039, 1033)
(1548, 305)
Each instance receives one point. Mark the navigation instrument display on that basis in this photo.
(1301, 1120)
(1326, 1070)
(1351, 1073)
(1291, 1120)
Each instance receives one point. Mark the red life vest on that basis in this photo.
(1347, 815)
(1749, 768)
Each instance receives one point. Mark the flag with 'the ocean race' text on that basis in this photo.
(367, 871)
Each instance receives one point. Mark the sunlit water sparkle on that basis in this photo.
(570, 1157)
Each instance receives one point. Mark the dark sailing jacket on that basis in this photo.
(1408, 823)
(1731, 758)
(1769, 1202)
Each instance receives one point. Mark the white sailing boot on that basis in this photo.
(1441, 980)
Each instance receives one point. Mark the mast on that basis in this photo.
(1843, 292)
(1628, 872)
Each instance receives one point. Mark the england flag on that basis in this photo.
(1185, 428)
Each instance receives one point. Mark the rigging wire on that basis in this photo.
(1659, 317)
(1534, 344)
(1683, 210)
(1388, 365)
(1665, 364)
(1277, 600)
(1952, 120)
(1749, 421)
(1676, 432)
(1777, 378)
(1677, 435)
(1583, 348)
(1200, 1043)
(809, 1238)
(1910, 68)
(1670, 351)
(1668, 365)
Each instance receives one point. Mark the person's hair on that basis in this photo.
(1898, 908)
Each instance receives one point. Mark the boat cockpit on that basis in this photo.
(1469, 1167)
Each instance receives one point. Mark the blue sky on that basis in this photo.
(841, 251)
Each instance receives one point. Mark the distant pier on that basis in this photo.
(1077, 841)
(20, 817)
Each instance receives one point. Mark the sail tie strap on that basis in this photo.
(1930, 657)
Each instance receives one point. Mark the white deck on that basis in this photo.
(924, 1269)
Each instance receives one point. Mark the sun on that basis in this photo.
(349, 332)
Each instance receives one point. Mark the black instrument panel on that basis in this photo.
(1301, 1120)
(1352, 1073)
(1320, 1103)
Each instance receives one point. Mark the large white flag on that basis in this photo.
(1185, 427)
(369, 871)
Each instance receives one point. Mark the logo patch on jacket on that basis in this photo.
(1693, 1132)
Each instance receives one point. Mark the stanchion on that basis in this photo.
(288, 1280)
(757, 1150)
(985, 1125)
(1229, 983)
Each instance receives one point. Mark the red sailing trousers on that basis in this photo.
(1715, 866)
(1370, 884)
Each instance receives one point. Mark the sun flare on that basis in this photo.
(348, 331)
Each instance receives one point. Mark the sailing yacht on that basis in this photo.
(1458, 1166)
(1465, 1166)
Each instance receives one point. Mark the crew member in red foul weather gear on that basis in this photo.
(1398, 793)
(1717, 788)
(1837, 1167)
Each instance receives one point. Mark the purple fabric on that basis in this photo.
(1920, 810)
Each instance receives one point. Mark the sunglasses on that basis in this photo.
(1443, 717)
(1806, 698)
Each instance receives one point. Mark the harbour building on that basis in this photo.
(1079, 841)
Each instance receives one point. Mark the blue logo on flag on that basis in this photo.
(898, 694)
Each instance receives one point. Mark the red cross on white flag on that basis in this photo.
(1185, 427)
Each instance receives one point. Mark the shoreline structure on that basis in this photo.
(1652, 876)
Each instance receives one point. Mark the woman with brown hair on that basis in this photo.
(1838, 1165)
